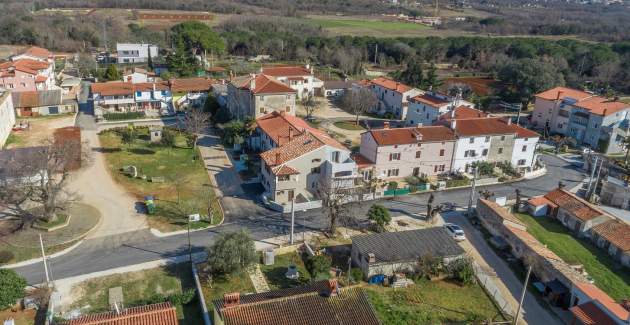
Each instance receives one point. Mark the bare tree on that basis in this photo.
(195, 121)
(335, 193)
(310, 104)
(359, 101)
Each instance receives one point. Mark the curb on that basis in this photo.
(39, 259)
(160, 234)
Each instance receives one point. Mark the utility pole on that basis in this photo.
(590, 178)
(472, 191)
(518, 114)
(520, 303)
(41, 244)
(599, 172)
(189, 245)
(375, 53)
(292, 220)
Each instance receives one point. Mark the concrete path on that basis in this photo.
(258, 279)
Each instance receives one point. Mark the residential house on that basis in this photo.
(393, 96)
(575, 213)
(591, 120)
(592, 306)
(190, 92)
(44, 102)
(397, 153)
(255, 95)
(615, 192)
(322, 302)
(136, 52)
(462, 112)
(301, 79)
(37, 54)
(336, 88)
(296, 172)
(161, 313)
(27, 75)
(425, 109)
(391, 252)
(614, 236)
(138, 75)
(70, 87)
(7, 116)
(276, 129)
(153, 98)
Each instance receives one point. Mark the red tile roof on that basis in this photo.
(112, 88)
(602, 106)
(575, 205)
(361, 161)
(162, 314)
(563, 92)
(263, 85)
(388, 137)
(391, 84)
(605, 300)
(29, 66)
(615, 232)
(190, 85)
(278, 126)
(284, 170)
(590, 314)
(41, 79)
(430, 100)
(540, 200)
(286, 71)
(481, 127)
(148, 86)
(302, 144)
(38, 52)
(463, 112)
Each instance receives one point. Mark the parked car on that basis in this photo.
(455, 231)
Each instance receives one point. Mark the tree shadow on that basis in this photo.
(106, 150)
(142, 151)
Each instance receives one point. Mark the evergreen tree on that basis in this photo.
(112, 73)
(431, 80)
(413, 75)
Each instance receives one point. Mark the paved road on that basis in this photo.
(103, 253)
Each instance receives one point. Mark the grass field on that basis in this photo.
(275, 273)
(367, 26)
(608, 275)
(429, 302)
(219, 286)
(349, 125)
(185, 188)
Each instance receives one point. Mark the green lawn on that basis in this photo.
(609, 275)
(215, 289)
(275, 273)
(349, 125)
(185, 179)
(366, 24)
(139, 288)
(429, 302)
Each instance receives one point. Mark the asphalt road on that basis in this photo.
(130, 248)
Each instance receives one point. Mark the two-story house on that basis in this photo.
(275, 129)
(36, 53)
(295, 172)
(299, 78)
(190, 92)
(412, 151)
(113, 96)
(136, 52)
(427, 108)
(252, 96)
(154, 97)
(393, 96)
(26, 75)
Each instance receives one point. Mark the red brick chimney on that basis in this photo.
(560, 93)
(290, 133)
(277, 158)
(231, 299)
(386, 125)
(333, 287)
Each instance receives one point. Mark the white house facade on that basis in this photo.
(135, 52)
(393, 96)
(7, 116)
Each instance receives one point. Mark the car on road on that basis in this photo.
(455, 231)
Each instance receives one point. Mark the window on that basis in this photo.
(500, 150)
(23, 84)
(559, 125)
(138, 94)
(502, 137)
(395, 146)
(441, 152)
(283, 178)
(418, 154)
(471, 140)
(392, 172)
(261, 110)
(316, 160)
(484, 152)
(524, 149)
(487, 139)
(288, 97)
(435, 169)
(288, 109)
(315, 170)
(442, 168)
(262, 98)
(394, 156)
(10, 86)
(163, 92)
(521, 162)
(416, 171)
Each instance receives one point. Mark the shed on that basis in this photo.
(539, 206)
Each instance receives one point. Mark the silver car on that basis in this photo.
(455, 231)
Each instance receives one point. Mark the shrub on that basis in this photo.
(182, 298)
(231, 253)
(462, 270)
(12, 286)
(356, 275)
(380, 215)
(123, 116)
(392, 185)
(168, 138)
(430, 266)
(6, 257)
(318, 264)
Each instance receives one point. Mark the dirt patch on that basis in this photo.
(41, 130)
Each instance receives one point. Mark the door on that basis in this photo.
(290, 195)
(53, 110)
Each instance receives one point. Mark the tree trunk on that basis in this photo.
(356, 121)
(625, 161)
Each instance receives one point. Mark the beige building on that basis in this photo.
(255, 95)
(413, 151)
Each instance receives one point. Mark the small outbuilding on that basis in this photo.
(391, 252)
(538, 206)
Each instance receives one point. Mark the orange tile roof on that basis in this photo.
(162, 314)
(302, 144)
(286, 71)
(264, 85)
(463, 112)
(361, 160)
(575, 205)
(540, 200)
(29, 66)
(190, 84)
(112, 88)
(482, 126)
(391, 84)
(41, 79)
(615, 232)
(602, 106)
(563, 92)
(38, 52)
(148, 86)
(284, 170)
(388, 137)
(605, 300)
(590, 314)
(278, 126)
(534, 244)
(430, 100)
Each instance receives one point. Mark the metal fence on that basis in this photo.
(488, 281)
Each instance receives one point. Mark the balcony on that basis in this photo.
(346, 169)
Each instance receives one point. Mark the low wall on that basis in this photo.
(297, 206)
(166, 121)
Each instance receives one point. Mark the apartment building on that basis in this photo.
(393, 96)
(427, 108)
(299, 78)
(7, 116)
(591, 120)
(295, 171)
(136, 52)
(253, 96)
(117, 96)
(394, 154)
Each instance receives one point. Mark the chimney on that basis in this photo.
(419, 125)
(307, 66)
(453, 124)
(333, 287)
(252, 82)
(453, 113)
(605, 111)
(278, 157)
(371, 258)
(560, 93)
(386, 125)
(290, 133)
(231, 299)
(509, 121)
